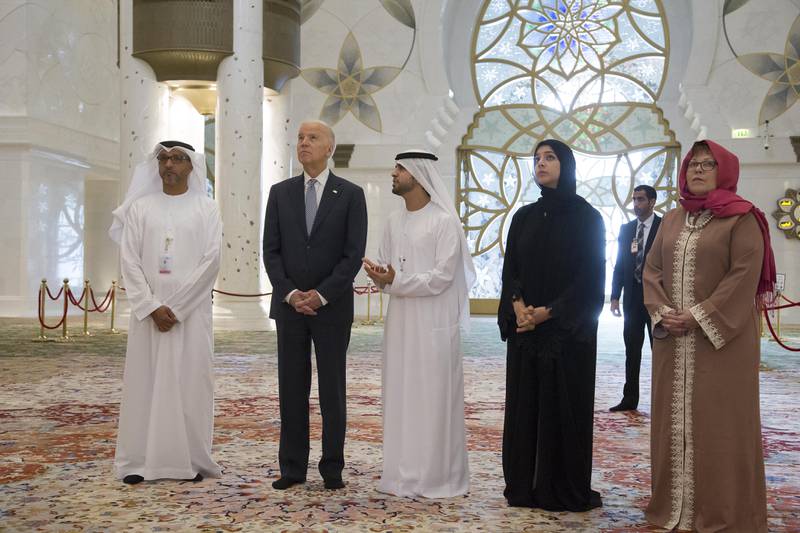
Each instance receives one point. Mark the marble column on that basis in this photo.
(144, 111)
(280, 132)
(240, 96)
(144, 118)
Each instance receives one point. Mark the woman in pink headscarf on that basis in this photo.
(708, 272)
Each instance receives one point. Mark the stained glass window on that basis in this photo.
(588, 73)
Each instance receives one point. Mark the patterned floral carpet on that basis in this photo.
(58, 416)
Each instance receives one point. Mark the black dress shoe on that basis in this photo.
(285, 482)
(334, 483)
(622, 406)
(132, 479)
(196, 479)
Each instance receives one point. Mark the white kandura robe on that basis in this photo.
(166, 417)
(424, 440)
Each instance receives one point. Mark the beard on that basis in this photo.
(400, 188)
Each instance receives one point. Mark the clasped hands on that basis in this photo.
(164, 318)
(678, 323)
(381, 276)
(306, 302)
(529, 316)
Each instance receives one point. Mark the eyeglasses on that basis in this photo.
(707, 165)
(174, 158)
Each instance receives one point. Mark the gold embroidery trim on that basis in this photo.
(662, 310)
(708, 326)
(681, 426)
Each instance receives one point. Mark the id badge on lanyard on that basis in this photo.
(165, 259)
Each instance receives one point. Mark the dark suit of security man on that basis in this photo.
(635, 239)
(315, 234)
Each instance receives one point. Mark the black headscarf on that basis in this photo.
(564, 194)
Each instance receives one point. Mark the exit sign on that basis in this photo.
(742, 133)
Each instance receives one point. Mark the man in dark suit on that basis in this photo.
(635, 239)
(315, 233)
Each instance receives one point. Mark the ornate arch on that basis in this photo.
(587, 72)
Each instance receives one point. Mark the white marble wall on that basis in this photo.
(58, 127)
(13, 58)
(42, 213)
(100, 261)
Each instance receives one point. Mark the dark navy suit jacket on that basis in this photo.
(623, 281)
(326, 260)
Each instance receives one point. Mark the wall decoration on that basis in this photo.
(350, 85)
(783, 70)
(788, 214)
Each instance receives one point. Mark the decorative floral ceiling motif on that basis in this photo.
(350, 86)
(783, 70)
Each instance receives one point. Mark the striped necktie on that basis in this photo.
(637, 272)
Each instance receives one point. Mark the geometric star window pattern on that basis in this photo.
(588, 73)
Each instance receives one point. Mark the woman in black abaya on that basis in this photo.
(553, 292)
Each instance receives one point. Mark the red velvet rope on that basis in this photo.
(788, 300)
(57, 296)
(71, 296)
(366, 289)
(106, 300)
(240, 295)
(41, 312)
(785, 306)
(775, 335)
(103, 306)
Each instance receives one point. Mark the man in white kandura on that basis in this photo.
(425, 265)
(169, 232)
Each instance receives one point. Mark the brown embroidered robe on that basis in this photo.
(707, 461)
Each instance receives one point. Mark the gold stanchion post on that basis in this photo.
(64, 331)
(42, 296)
(368, 321)
(113, 304)
(86, 290)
